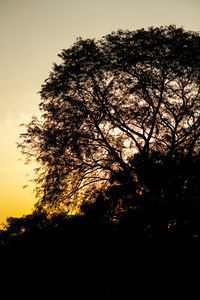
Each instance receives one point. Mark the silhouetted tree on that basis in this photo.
(28, 223)
(130, 92)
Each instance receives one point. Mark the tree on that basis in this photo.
(131, 98)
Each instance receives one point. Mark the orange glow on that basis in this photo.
(14, 199)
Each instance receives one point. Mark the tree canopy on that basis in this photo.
(122, 110)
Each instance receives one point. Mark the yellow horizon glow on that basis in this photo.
(15, 200)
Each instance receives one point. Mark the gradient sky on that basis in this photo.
(32, 33)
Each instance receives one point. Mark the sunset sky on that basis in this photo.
(32, 33)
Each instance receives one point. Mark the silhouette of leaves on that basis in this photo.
(124, 111)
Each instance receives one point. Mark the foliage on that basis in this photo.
(122, 111)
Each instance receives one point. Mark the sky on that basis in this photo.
(33, 33)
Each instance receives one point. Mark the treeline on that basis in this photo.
(106, 250)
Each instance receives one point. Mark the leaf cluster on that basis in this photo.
(130, 92)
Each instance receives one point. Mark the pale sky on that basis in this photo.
(32, 33)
